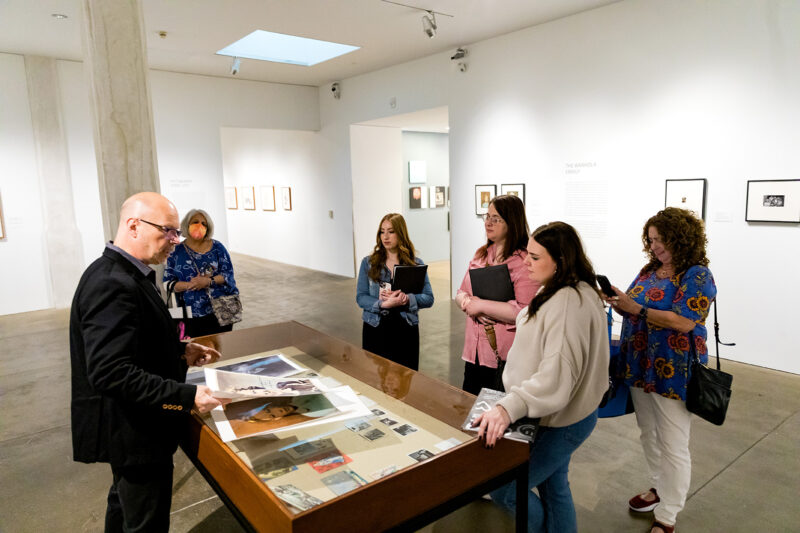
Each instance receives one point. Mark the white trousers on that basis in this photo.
(665, 425)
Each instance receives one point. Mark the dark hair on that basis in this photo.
(512, 211)
(405, 249)
(572, 266)
(683, 235)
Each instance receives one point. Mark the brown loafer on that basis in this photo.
(639, 505)
(664, 527)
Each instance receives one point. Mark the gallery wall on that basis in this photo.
(428, 227)
(595, 111)
(188, 113)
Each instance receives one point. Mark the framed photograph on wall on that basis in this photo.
(268, 198)
(286, 198)
(483, 195)
(439, 194)
(231, 200)
(687, 194)
(773, 201)
(415, 198)
(249, 198)
(514, 189)
(417, 172)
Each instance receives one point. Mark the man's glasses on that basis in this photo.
(492, 219)
(172, 233)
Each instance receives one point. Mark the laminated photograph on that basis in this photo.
(237, 385)
(263, 416)
(295, 497)
(523, 430)
(276, 365)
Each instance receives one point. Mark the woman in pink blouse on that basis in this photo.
(506, 240)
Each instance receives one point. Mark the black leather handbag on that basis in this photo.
(708, 391)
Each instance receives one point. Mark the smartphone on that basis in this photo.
(605, 286)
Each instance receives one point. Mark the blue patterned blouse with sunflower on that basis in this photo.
(656, 359)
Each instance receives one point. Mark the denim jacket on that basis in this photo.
(368, 290)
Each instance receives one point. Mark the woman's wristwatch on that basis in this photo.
(643, 313)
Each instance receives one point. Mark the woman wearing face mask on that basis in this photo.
(391, 318)
(557, 370)
(198, 266)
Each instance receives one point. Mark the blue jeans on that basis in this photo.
(552, 511)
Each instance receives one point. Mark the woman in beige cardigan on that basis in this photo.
(557, 370)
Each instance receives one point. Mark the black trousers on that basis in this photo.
(477, 377)
(205, 325)
(393, 338)
(139, 499)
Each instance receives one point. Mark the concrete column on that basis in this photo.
(61, 238)
(115, 59)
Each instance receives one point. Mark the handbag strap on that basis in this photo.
(716, 334)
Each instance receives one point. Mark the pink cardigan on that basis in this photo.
(474, 334)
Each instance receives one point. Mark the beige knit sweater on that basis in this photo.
(557, 368)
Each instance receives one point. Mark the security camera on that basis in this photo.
(336, 90)
(460, 53)
(235, 66)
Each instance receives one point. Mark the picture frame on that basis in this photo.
(514, 189)
(286, 198)
(687, 194)
(773, 201)
(2, 227)
(417, 171)
(483, 195)
(249, 198)
(231, 198)
(440, 196)
(268, 198)
(415, 198)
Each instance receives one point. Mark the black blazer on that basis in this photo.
(128, 391)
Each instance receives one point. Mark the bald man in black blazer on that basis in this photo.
(129, 398)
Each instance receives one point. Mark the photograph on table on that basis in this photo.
(231, 200)
(271, 365)
(687, 194)
(514, 189)
(484, 195)
(249, 198)
(268, 198)
(773, 201)
(286, 198)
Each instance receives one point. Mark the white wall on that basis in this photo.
(593, 112)
(25, 284)
(188, 113)
(428, 226)
(376, 155)
(305, 236)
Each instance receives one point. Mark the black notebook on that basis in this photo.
(409, 279)
(492, 283)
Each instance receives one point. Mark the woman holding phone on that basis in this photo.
(391, 319)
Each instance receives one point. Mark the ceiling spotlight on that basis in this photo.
(429, 24)
(59, 16)
(235, 66)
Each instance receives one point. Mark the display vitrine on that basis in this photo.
(401, 466)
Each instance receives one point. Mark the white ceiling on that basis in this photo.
(387, 34)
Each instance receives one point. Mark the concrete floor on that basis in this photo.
(746, 474)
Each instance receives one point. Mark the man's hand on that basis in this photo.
(204, 402)
(199, 355)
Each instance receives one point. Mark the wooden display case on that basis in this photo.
(416, 494)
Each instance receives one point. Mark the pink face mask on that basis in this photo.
(197, 231)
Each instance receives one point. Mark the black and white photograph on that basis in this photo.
(773, 201)
(295, 497)
(378, 412)
(421, 455)
(357, 425)
(372, 434)
(405, 429)
(387, 421)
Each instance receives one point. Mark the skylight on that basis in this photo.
(281, 48)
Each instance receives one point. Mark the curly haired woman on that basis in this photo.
(664, 309)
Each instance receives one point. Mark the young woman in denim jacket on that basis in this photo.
(391, 322)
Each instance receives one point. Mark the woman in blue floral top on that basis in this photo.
(664, 310)
(198, 265)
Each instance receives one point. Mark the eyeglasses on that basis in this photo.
(492, 219)
(171, 233)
